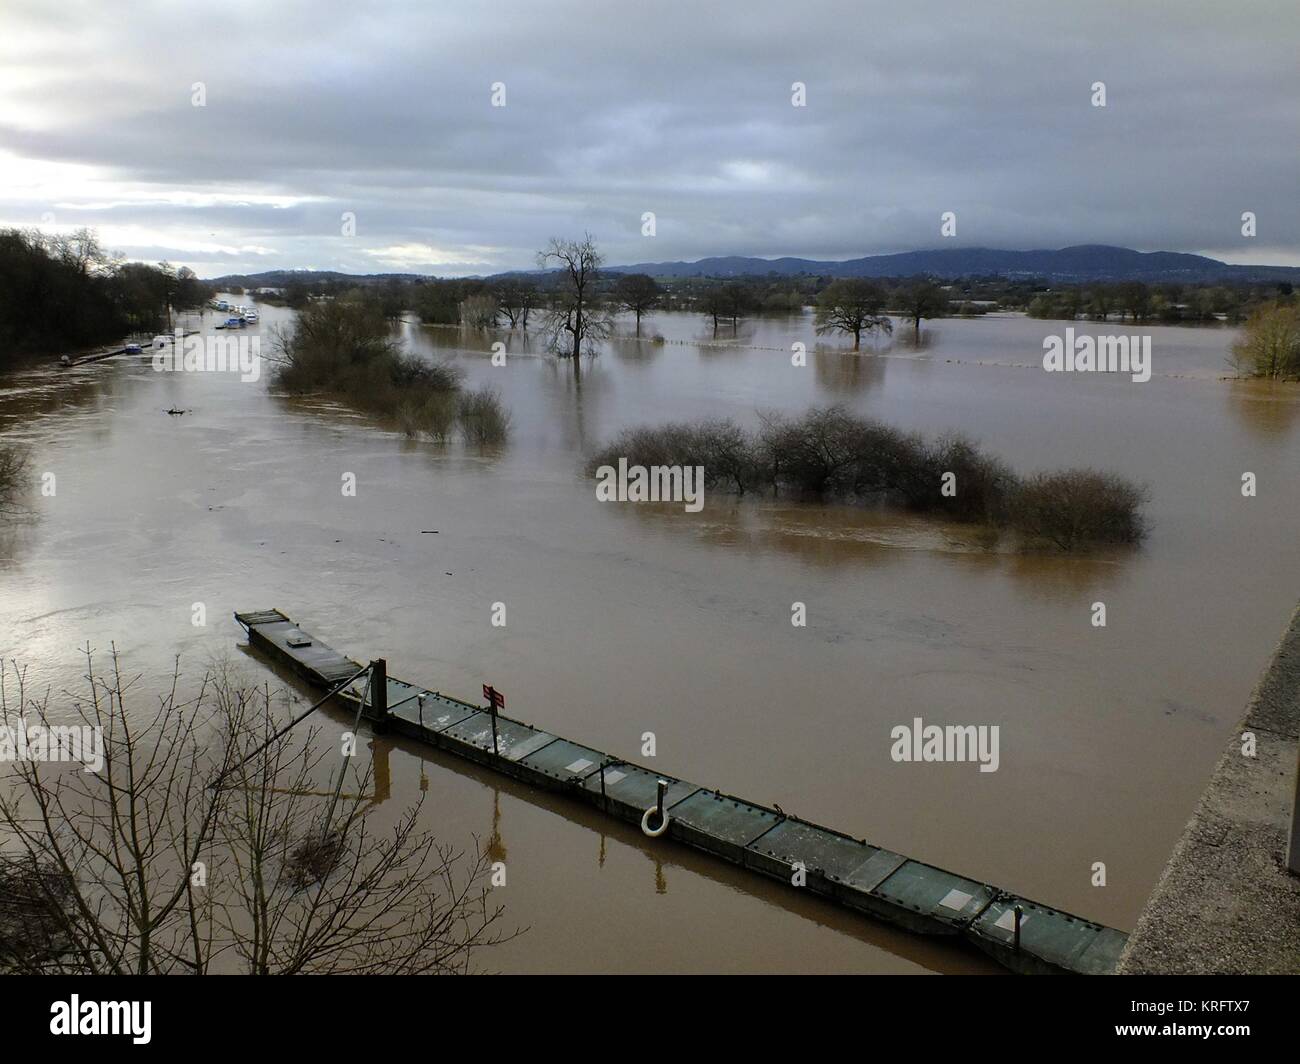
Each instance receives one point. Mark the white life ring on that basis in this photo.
(653, 833)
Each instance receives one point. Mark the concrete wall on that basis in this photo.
(1226, 902)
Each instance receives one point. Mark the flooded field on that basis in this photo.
(626, 619)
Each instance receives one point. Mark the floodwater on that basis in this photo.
(624, 619)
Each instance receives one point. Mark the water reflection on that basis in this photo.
(837, 536)
(840, 373)
(661, 879)
(1267, 409)
(496, 847)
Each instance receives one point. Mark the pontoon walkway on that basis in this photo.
(914, 895)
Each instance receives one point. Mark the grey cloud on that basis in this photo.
(680, 108)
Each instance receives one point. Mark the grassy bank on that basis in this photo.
(831, 454)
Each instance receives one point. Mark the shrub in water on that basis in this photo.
(482, 418)
(1078, 506)
(831, 453)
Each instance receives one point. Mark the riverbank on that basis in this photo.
(1225, 902)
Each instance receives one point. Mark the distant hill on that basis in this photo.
(1082, 263)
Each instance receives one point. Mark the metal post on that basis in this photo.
(1293, 850)
(379, 688)
(663, 787)
(492, 705)
(1019, 914)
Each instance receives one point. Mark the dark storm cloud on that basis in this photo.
(615, 109)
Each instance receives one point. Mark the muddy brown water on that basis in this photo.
(627, 619)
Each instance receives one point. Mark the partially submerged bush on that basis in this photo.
(815, 455)
(726, 454)
(483, 419)
(830, 453)
(434, 416)
(720, 447)
(1078, 506)
(983, 482)
(1270, 343)
(344, 349)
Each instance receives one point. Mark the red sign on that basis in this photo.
(495, 698)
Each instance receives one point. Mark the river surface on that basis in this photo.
(624, 619)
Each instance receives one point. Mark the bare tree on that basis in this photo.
(516, 298)
(713, 303)
(574, 321)
(738, 299)
(728, 302)
(638, 293)
(922, 299)
(80, 249)
(205, 843)
(852, 305)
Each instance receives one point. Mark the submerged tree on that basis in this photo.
(852, 305)
(516, 298)
(574, 320)
(713, 302)
(922, 299)
(637, 293)
(206, 843)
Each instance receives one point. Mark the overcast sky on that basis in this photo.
(613, 109)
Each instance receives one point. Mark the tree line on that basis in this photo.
(60, 292)
(1168, 304)
(572, 279)
(574, 298)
